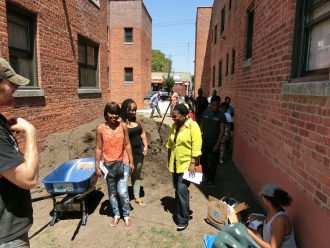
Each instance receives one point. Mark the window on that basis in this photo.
(223, 17)
(311, 54)
(220, 74)
(227, 64)
(87, 62)
(128, 35)
(21, 42)
(213, 76)
(128, 77)
(233, 55)
(249, 34)
(215, 34)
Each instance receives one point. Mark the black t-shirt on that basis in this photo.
(211, 126)
(201, 104)
(135, 139)
(15, 203)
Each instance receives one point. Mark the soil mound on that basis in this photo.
(80, 143)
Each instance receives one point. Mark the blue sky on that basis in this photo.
(173, 30)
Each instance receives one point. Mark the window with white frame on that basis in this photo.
(128, 35)
(128, 74)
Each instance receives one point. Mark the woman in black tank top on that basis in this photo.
(139, 144)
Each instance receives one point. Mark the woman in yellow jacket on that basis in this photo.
(184, 147)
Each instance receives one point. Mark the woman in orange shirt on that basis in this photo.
(112, 143)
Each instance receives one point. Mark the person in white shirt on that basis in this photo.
(154, 104)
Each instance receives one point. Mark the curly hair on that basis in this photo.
(124, 107)
(281, 198)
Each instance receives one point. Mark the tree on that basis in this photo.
(169, 83)
(159, 62)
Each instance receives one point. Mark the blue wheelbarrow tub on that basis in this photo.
(70, 177)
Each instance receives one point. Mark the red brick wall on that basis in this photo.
(137, 55)
(202, 48)
(287, 134)
(58, 24)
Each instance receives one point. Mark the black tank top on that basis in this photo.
(135, 139)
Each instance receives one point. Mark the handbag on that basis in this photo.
(115, 168)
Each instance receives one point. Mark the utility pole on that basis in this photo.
(188, 44)
(169, 65)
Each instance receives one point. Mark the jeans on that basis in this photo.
(209, 161)
(119, 185)
(153, 110)
(20, 242)
(136, 175)
(181, 198)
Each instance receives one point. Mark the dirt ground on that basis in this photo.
(153, 226)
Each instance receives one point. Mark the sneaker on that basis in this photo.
(128, 222)
(220, 162)
(181, 227)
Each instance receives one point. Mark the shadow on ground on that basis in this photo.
(230, 183)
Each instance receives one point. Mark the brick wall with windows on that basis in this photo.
(63, 51)
(280, 91)
(129, 20)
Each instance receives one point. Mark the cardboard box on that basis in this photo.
(219, 214)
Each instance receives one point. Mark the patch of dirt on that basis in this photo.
(153, 226)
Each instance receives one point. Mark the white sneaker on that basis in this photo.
(220, 162)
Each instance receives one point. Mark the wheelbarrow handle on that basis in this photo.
(164, 116)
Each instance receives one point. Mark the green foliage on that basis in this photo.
(169, 83)
(159, 62)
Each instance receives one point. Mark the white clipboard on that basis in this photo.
(196, 178)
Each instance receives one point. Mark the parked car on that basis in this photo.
(150, 94)
(164, 95)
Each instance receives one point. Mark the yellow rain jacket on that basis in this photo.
(188, 144)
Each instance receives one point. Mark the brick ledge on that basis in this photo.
(89, 91)
(320, 88)
(29, 93)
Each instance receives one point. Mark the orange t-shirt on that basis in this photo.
(113, 144)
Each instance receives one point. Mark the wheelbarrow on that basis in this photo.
(71, 182)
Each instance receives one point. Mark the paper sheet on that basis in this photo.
(104, 170)
(197, 178)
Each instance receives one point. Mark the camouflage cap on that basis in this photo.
(8, 73)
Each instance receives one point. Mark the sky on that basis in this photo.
(173, 30)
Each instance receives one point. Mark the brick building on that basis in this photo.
(62, 47)
(203, 50)
(75, 54)
(274, 63)
(130, 51)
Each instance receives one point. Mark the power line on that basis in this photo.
(182, 54)
(172, 44)
(173, 22)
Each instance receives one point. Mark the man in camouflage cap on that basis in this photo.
(18, 171)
